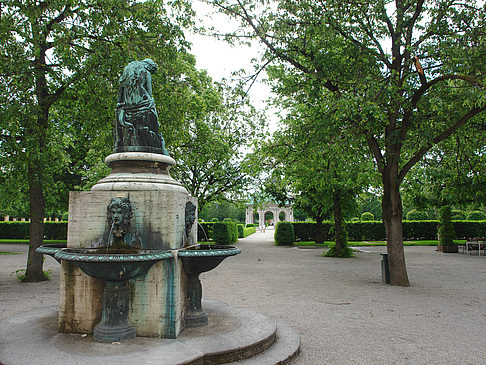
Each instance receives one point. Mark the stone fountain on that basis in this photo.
(124, 234)
(131, 268)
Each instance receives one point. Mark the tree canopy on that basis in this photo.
(404, 75)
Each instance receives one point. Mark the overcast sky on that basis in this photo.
(220, 59)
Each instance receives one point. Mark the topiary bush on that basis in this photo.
(214, 219)
(367, 217)
(248, 230)
(354, 219)
(476, 216)
(284, 234)
(446, 228)
(250, 225)
(225, 233)
(227, 220)
(416, 215)
(241, 230)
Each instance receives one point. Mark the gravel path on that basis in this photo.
(342, 311)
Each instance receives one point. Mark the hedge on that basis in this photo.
(284, 234)
(225, 233)
(245, 231)
(20, 230)
(375, 230)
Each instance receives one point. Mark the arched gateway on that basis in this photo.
(272, 208)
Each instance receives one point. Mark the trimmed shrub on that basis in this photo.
(241, 230)
(416, 215)
(17, 230)
(367, 217)
(446, 229)
(55, 230)
(284, 234)
(200, 220)
(250, 225)
(214, 219)
(227, 220)
(354, 219)
(468, 229)
(368, 231)
(476, 216)
(248, 230)
(304, 231)
(420, 230)
(20, 230)
(244, 231)
(375, 231)
(225, 233)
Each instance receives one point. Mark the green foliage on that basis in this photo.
(375, 231)
(227, 220)
(241, 229)
(250, 225)
(20, 274)
(245, 231)
(284, 234)
(214, 219)
(416, 215)
(458, 215)
(446, 228)
(345, 252)
(224, 233)
(20, 230)
(354, 219)
(367, 217)
(476, 216)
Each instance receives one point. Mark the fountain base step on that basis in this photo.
(232, 334)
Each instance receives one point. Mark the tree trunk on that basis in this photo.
(338, 223)
(319, 238)
(391, 206)
(34, 271)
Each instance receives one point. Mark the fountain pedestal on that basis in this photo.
(158, 298)
(114, 325)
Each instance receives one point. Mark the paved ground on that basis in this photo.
(343, 312)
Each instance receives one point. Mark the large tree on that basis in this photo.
(48, 48)
(405, 74)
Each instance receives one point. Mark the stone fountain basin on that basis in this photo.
(201, 258)
(112, 264)
(51, 249)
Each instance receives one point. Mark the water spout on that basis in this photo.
(110, 237)
(202, 229)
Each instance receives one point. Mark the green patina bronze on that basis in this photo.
(115, 267)
(197, 259)
(137, 126)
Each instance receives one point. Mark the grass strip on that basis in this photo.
(23, 241)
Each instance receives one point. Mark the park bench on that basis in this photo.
(475, 244)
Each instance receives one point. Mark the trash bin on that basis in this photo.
(385, 268)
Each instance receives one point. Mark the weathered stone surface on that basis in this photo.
(139, 171)
(157, 299)
(158, 217)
